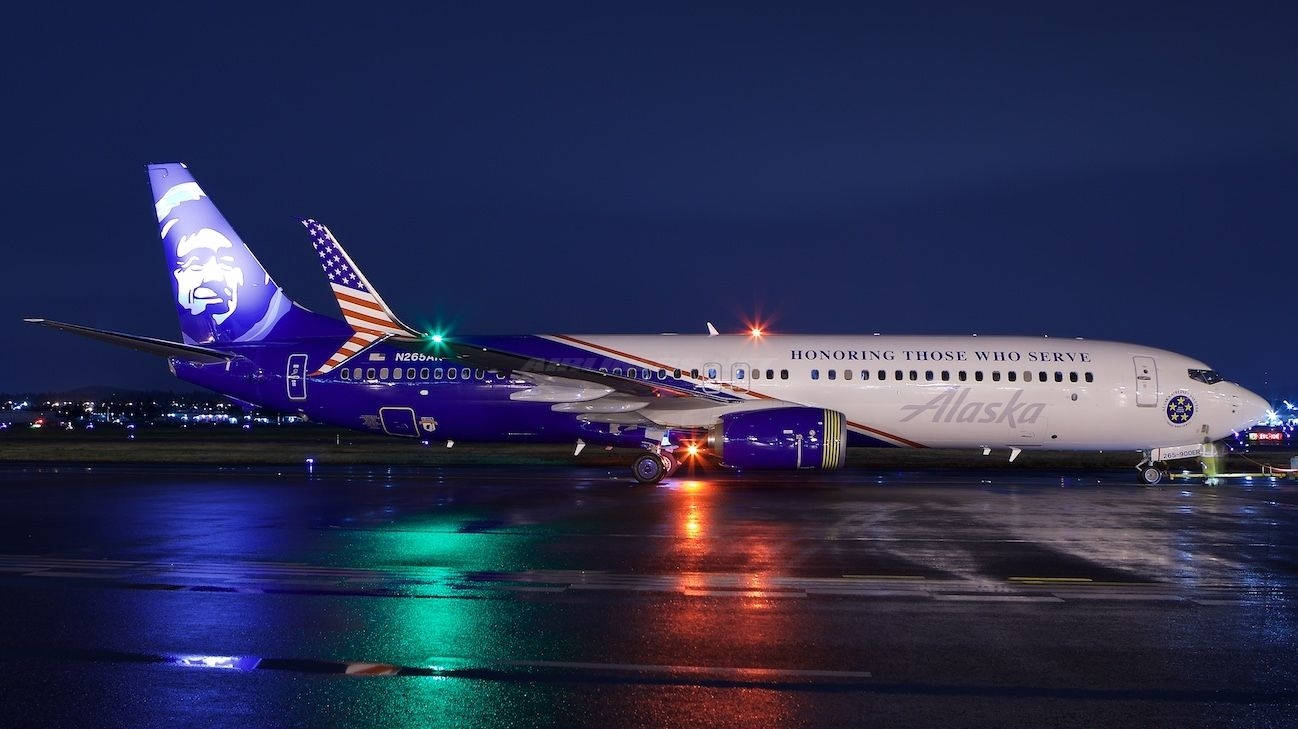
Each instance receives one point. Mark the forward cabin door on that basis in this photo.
(1146, 381)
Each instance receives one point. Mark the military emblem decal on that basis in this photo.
(428, 424)
(1180, 408)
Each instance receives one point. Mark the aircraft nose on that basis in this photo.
(1252, 409)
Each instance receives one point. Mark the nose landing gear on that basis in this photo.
(1155, 473)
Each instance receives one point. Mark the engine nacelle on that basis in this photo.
(792, 437)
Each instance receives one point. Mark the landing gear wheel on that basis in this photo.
(649, 468)
(1152, 474)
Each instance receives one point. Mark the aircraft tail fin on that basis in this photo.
(364, 310)
(222, 293)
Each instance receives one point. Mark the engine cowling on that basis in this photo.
(790, 437)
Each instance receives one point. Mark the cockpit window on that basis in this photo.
(1207, 377)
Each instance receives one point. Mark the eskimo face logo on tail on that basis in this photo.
(208, 277)
(954, 406)
(221, 292)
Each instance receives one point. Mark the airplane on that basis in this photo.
(755, 400)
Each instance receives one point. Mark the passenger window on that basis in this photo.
(815, 374)
(356, 373)
(898, 375)
(410, 373)
(739, 374)
(833, 374)
(1059, 377)
(847, 374)
(883, 375)
(383, 373)
(928, 375)
(1041, 377)
(978, 375)
(346, 374)
(694, 374)
(865, 374)
(757, 374)
(617, 371)
(946, 376)
(712, 373)
(464, 373)
(396, 373)
(996, 375)
(1027, 375)
(603, 370)
(369, 373)
(784, 374)
(676, 372)
(770, 374)
(1011, 375)
(437, 373)
(1090, 377)
(963, 375)
(662, 374)
(914, 375)
(478, 374)
(451, 373)
(423, 374)
(1072, 377)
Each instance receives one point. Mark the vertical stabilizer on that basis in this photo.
(221, 291)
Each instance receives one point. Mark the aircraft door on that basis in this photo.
(739, 375)
(1146, 381)
(711, 375)
(399, 421)
(1033, 434)
(295, 377)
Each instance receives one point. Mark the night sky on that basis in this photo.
(1114, 173)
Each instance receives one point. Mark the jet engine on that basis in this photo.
(788, 437)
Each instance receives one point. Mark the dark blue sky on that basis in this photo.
(1112, 173)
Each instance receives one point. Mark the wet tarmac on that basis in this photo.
(522, 597)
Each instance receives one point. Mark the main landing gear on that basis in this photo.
(653, 466)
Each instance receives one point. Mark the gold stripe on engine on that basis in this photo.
(832, 451)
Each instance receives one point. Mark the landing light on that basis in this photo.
(755, 331)
(437, 339)
(691, 450)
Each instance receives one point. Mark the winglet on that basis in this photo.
(362, 307)
(712, 331)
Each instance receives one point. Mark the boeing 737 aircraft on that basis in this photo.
(746, 401)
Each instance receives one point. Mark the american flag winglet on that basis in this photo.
(369, 317)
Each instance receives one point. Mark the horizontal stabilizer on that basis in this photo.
(161, 347)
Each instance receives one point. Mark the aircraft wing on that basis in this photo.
(605, 398)
(547, 373)
(161, 347)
